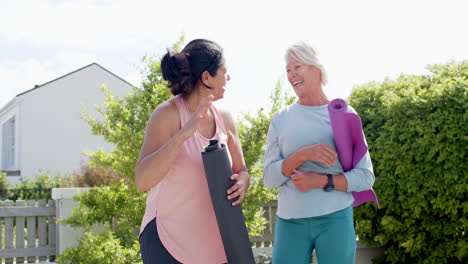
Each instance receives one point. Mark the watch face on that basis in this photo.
(329, 188)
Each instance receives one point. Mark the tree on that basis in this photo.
(416, 131)
(252, 135)
(120, 206)
(125, 119)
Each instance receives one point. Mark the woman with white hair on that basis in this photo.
(315, 194)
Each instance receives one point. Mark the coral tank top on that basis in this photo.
(181, 202)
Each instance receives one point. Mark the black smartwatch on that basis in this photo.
(330, 186)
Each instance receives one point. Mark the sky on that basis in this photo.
(358, 41)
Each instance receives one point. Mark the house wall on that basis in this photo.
(52, 133)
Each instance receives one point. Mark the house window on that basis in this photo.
(8, 145)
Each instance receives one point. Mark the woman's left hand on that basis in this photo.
(239, 189)
(305, 181)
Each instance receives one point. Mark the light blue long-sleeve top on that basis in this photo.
(292, 128)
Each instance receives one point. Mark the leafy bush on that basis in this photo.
(252, 135)
(39, 188)
(125, 121)
(95, 176)
(416, 130)
(104, 248)
(4, 186)
(118, 207)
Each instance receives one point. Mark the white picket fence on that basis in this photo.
(27, 231)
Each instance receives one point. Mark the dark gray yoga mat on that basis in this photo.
(230, 218)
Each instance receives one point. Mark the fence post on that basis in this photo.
(31, 229)
(20, 231)
(364, 255)
(66, 236)
(52, 231)
(9, 232)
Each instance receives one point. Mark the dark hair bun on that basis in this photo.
(176, 70)
(183, 70)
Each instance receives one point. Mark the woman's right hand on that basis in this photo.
(200, 114)
(160, 145)
(320, 153)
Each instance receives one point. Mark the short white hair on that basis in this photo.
(306, 54)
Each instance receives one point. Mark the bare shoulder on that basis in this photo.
(228, 118)
(163, 123)
(166, 115)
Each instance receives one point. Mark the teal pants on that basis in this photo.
(332, 236)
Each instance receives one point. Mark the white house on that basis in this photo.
(43, 128)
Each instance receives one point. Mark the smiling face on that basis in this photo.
(303, 78)
(218, 81)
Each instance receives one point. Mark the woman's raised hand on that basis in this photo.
(200, 113)
(320, 153)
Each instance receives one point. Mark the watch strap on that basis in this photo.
(330, 186)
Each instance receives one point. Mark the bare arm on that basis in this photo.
(292, 162)
(241, 175)
(163, 138)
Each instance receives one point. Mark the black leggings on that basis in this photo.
(152, 249)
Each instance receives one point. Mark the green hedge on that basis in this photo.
(4, 186)
(416, 127)
(38, 188)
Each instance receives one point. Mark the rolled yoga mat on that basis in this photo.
(230, 218)
(350, 143)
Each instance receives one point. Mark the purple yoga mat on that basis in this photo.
(350, 143)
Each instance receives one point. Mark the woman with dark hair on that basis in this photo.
(179, 225)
